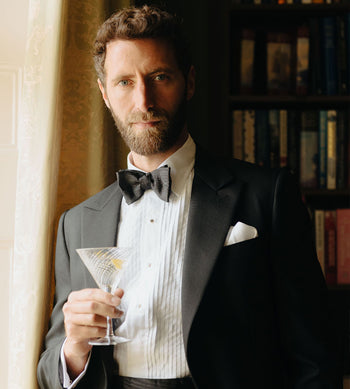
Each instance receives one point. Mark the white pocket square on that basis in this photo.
(239, 233)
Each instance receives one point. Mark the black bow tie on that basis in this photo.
(133, 183)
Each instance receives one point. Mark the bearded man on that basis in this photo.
(223, 289)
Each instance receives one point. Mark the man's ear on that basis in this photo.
(103, 92)
(191, 82)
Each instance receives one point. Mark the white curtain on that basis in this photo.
(38, 146)
(68, 151)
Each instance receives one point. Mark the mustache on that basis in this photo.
(154, 115)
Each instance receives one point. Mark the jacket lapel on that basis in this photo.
(215, 193)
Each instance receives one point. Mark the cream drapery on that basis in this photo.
(67, 151)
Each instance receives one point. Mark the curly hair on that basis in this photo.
(140, 23)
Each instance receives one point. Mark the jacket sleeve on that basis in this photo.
(49, 363)
(301, 292)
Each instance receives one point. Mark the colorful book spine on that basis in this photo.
(331, 149)
(322, 149)
(341, 146)
(330, 247)
(343, 246)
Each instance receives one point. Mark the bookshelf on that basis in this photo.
(258, 21)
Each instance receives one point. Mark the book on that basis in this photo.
(341, 55)
(343, 246)
(316, 68)
(330, 247)
(262, 138)
(293, 154)
(341, 149)
(279, 62)
(322, 165)
(249, 135)
(274, 130)
(309, 149)
(302, 60)
(319, 237)
(247, 60)
(328, 37)
(283, 136)
(331, 149)
(237, 134)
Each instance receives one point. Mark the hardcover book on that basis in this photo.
(303, 53)
(279, 62)
(331, 149)
(309, 149)
(330, 247)
(343, 246)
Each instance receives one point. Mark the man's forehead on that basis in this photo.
(149, 52)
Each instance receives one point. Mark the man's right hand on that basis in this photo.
(85, 317)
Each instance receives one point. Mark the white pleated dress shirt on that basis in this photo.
(156, 232)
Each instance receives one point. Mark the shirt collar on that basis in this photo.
(181, 164)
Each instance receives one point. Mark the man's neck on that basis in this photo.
(149, 163)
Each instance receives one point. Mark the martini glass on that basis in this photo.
(106, 265)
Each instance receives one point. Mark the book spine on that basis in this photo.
(309, 149)
(329, 54)
(279, 63)
(341, 146)
(323, 149)
(274, 138)
(237, 134)
(302, 65)
(341, 55)
(262, 138)
(331, 149)
(316, 68)
(319, 237)
(343, 246)
(330, 247)
(249, 135)
(247, 60)
(283, 137)
(294, 142)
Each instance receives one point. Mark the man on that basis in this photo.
(224, 289)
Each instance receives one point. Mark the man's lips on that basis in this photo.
(148, 123)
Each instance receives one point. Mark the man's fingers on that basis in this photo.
(98, 295)
(90, 307)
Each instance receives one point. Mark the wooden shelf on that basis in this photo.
(290, 101)
(315, 9)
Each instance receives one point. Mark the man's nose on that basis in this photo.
(144, 97)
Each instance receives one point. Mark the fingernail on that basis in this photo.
(115, 300)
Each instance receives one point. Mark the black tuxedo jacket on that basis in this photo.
(254, 313)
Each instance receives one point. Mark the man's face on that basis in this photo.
(147, 93)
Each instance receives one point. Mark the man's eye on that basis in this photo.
(160, 77)
(123, 83)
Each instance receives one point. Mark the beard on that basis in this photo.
(156, 139)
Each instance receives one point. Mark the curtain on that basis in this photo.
(68, 150)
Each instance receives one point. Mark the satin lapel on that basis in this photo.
(213, 202)
(100, 222)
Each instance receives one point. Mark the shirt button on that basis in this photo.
(149, 265)
(152, 220)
